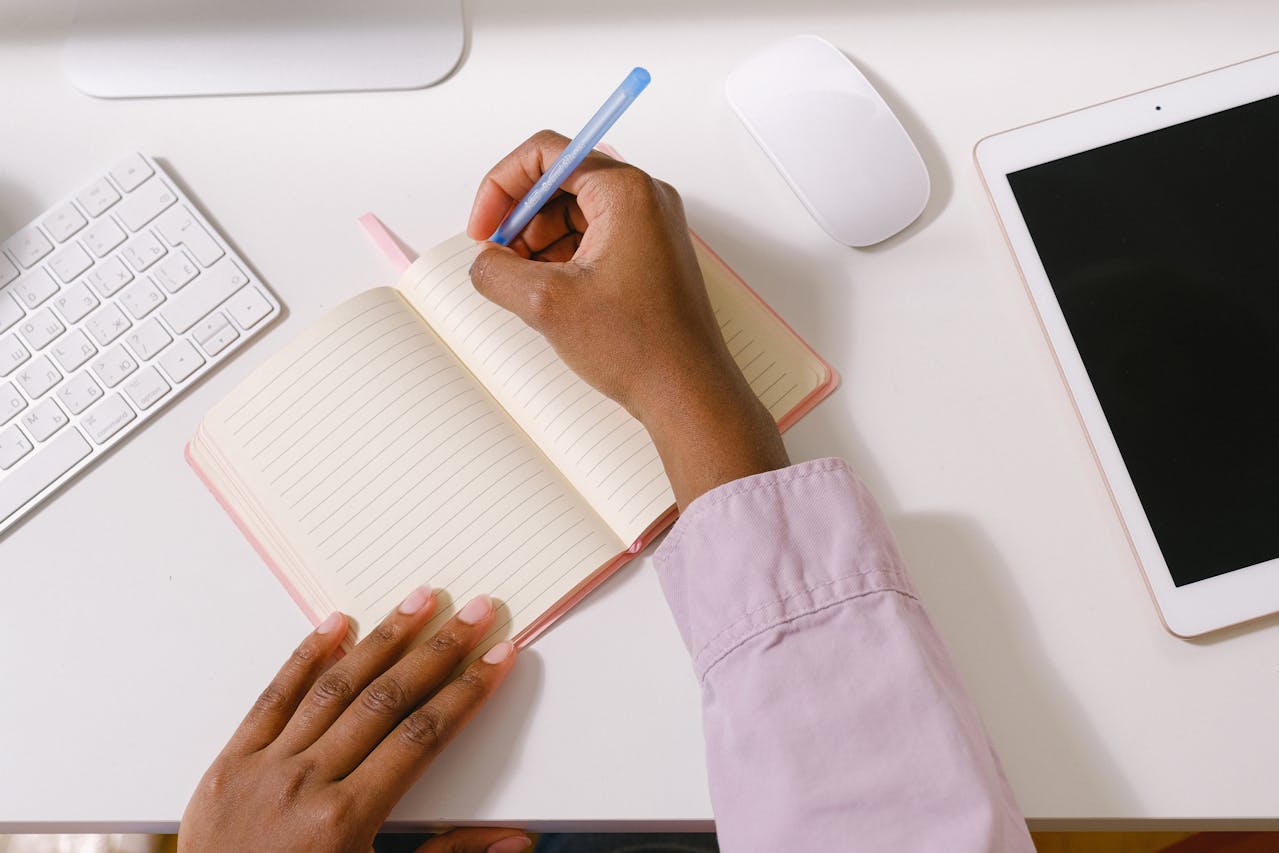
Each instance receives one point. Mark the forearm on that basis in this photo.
(832, 712)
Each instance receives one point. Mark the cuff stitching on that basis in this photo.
(748, 615)
(773, 625)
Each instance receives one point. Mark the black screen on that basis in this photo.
(1163, 251)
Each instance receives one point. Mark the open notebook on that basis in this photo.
(421, 434)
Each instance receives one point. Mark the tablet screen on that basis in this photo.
(1163, 252)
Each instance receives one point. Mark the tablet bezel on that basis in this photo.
(1217, 602)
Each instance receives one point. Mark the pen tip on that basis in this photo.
(641, 75)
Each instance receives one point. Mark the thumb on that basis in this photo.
(478, 840)
(526, 288)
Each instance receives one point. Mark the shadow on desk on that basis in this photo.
(1031, 714)
(17, 207)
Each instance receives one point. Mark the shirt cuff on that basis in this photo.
(765, 550)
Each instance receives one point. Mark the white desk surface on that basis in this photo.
(137, 625)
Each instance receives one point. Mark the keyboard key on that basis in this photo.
(110, 276)
(38, 376)
(79, 393)
(103, 236)
(180, 228)
(11, 402)
(12, 354)
(28, 246)
(40, 329)
(145, 204)
(13, 446)
(8, 271)
(175, 272)
(146, 388)
(143, 251)
(147, 340)
(70, 262)
(214, 333)
(40, 471)
(209, 326)
(204, 294)
(75, 303)
(32, 290)
(107, 325)
(248, 306)
(98, 197)
(72, 350)
(180, 360)
(130, 172)
(64, 222)
(44, 419)
(10, 311)
(141, 298)
(108, 418)
(114, 365)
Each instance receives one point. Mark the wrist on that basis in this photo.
(711, 434)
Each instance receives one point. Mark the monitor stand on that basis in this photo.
(157, 48)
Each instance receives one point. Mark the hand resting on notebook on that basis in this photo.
(606, 272)
(329, 748)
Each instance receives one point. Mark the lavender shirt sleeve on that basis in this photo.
(834, 718)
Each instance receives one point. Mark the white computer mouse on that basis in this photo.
(832, 137)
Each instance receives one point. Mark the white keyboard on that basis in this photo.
(111, 303)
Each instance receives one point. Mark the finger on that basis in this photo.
(276, 704)
(401, 758)
(560, 217)
(335, 689)
(526, 287)
(478, 840)
(562, 250)
(517, 172)
(402, 688)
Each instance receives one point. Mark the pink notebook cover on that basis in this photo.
(402, 258)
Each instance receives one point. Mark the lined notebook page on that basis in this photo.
(602, 450)
(384, 465)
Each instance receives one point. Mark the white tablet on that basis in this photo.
(1147, 232)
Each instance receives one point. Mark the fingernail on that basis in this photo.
(498, 653)
(415, 600)
(514, 844)
(476, 610)
(330, 623)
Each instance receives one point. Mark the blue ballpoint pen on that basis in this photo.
(571, 157)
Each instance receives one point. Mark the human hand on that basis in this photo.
(329, 748)
(607, 273)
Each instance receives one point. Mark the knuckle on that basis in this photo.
(333, 688)
(334, 814)
(294, 778)
(543, 298)
(217, 782)
(445, 642)
(273, 698)
(669, 195)
(303, 655)
(424, 728)
(472, 685)
(387, 632)
(637, 182)
(546, 136)
(386, 696)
